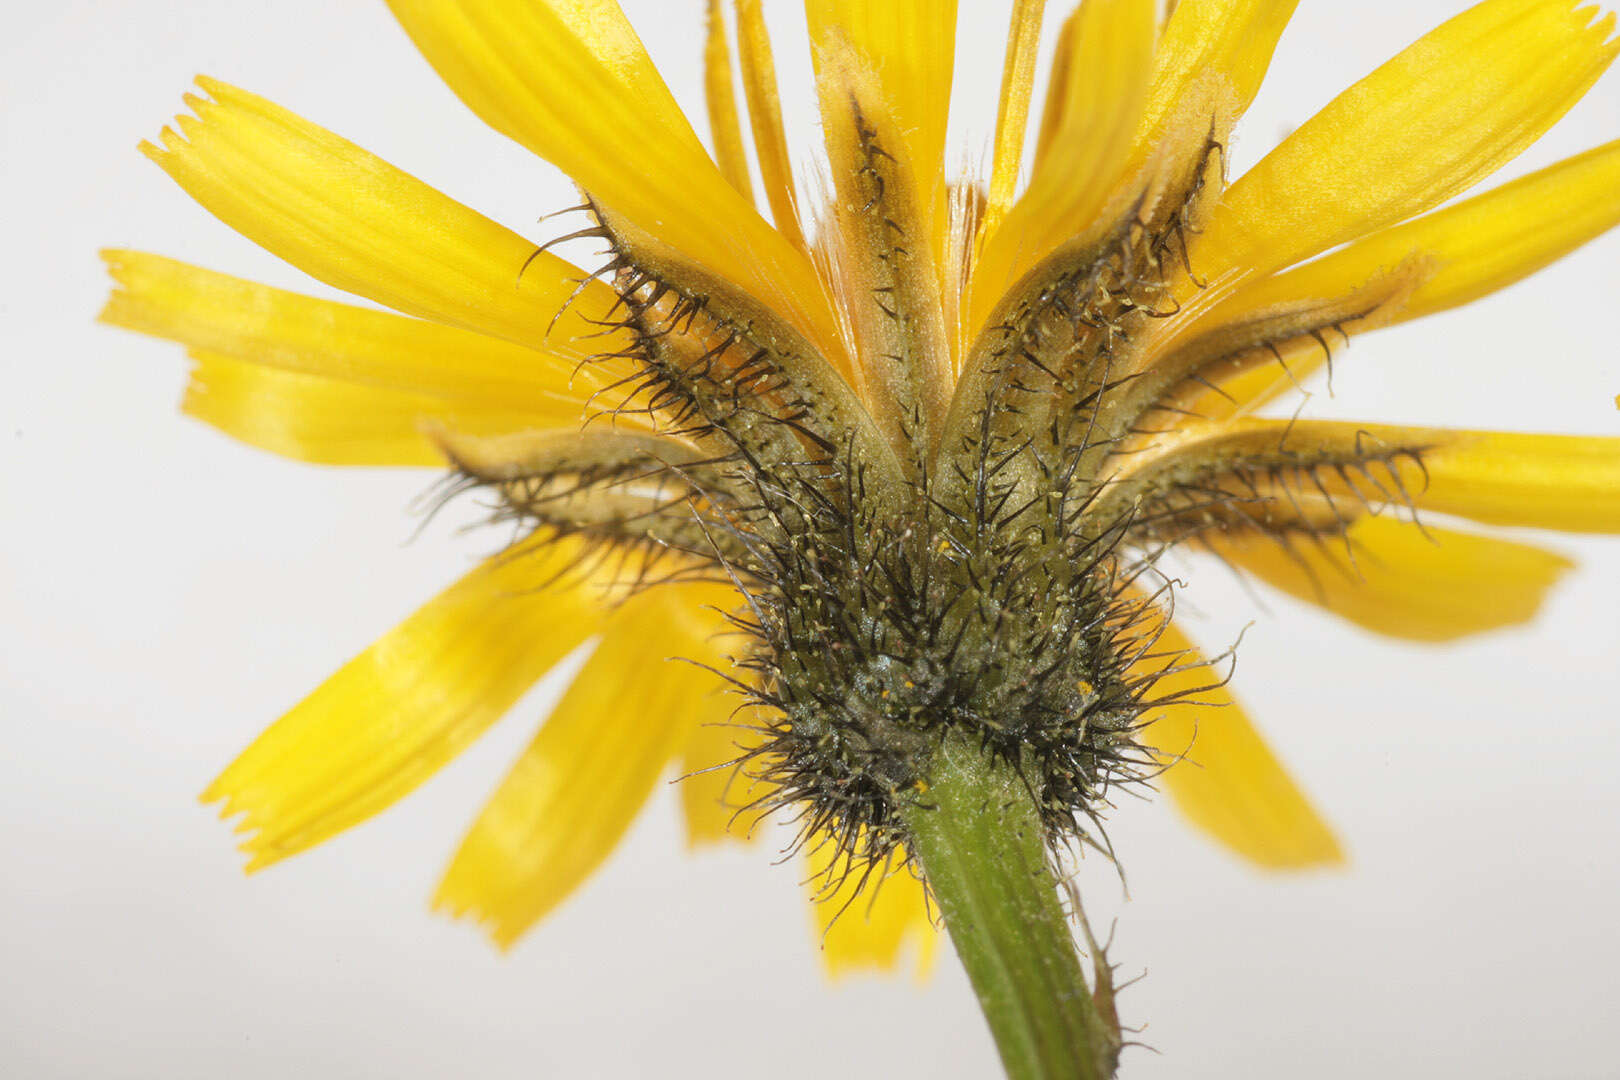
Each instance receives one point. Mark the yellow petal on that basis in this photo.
(870, 932)
(1112, 50)
(1566, 482)
(1221, 775)
(1393, 578)
(356, 222)
(1465, 251)
(1219, 49)
(1487, 242)
(725, 128)
(251, 322)
(1057, 86)
(392, 716)
(765, 118)
(1436, 119)
(329, 421)
(576, 789)
(1012, 113)
(570, 80)
(715, 793)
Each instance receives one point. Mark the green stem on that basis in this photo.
(979, 837)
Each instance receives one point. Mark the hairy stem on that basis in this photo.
(979, 837)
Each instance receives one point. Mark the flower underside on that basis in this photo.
(899, 472)
(984, 566)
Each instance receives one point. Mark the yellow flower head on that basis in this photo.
(892, 467)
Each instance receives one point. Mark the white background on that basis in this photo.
(166, 593)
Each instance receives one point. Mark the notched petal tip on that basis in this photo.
(390, 718)
(1433, 121)
(114, 262)
(1596, 17)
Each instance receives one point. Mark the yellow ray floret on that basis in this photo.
(1391, 577)
(1471, 249)
(1057, 83)
(1218, 50)
(510, 348)
(1102, 99)
(329, 421)
(725, 126)
(1438, 118)
(1012, 111)
(356, 222)
(1461, 253)
(1566, 482)
(396, 713)
(765, 118)
(1220, 773)
(1570, 483)
(877, 923)
(885, 236)
(570, 80)
(576, 789)
(275, 328)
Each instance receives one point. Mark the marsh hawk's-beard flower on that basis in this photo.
(892, 474)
